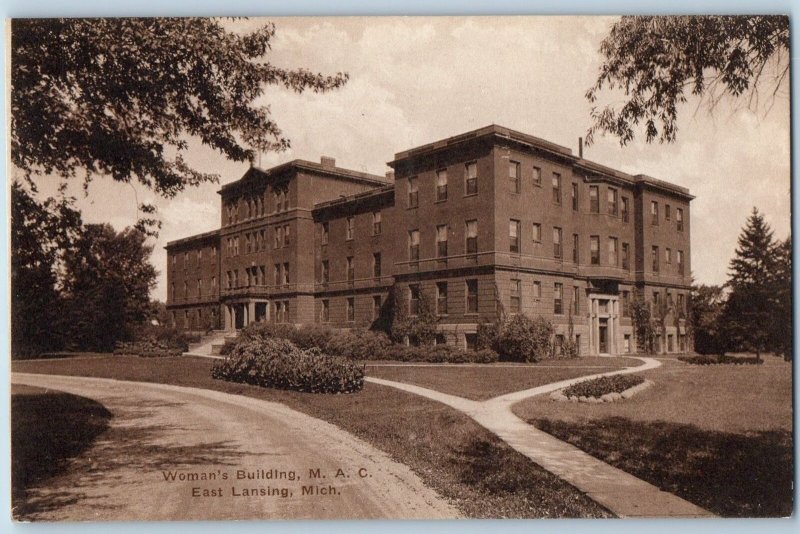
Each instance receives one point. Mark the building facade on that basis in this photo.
(489, 222)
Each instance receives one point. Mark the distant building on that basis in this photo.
(489, 220)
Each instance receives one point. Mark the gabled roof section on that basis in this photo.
(285, 169)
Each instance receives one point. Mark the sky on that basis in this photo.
(416, 80)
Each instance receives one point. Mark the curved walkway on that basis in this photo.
(620, 492)
(159, 429)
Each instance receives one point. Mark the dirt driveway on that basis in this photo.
(184, 453)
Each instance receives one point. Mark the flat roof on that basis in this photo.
(192, 238)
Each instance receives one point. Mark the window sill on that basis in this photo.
(470, 195)
(442, 201)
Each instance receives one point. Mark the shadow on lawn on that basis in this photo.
(732, 475)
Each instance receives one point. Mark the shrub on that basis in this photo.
(151, 348)
(440, 354)
(605, 384)
(523, 339)
(488, 336)
(569, 349)
(310, 336)
(280, 364)
(713, 360)
(358, 345)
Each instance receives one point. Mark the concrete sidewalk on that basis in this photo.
(621, 493)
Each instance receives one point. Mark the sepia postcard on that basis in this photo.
(400, 268)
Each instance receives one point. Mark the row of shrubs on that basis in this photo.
(152, 341)
(279, 363)
(147, 349)
(525, 339)
(716, 359)
(361, 345)
(605, 384)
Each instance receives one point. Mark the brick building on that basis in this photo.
(491, 220)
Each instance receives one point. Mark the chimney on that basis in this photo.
(327, 161)
(580, 147)
(253, 160)
(390, 175)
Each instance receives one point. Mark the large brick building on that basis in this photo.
(490, 220)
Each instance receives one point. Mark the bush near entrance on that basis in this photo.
(280, 364)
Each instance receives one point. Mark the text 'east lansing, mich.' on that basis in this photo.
(243, 482)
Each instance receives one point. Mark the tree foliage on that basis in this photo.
(643, 329)
(707, 304)
(120, 96)
(657, 60)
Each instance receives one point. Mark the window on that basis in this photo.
(654, 212)
(656, 299)
(441, 241)
(471, 182)
(576, 300)
(472, 237)
(376, 223)
(557, 242)
(285, 273)
(654, 254)
(626, 256)
(611, 200)
(559, 344)
(681, 303)
(516, 296)
(350, 228)
(277, 274)
(213, 285)
(413, 299)
(594, 199)
(376, 307)
(558, 298)
(670, 301)
(472, 296)
(351, 309)
(556, 188)
(471, 341)
(413, 245)
(594, 249)
(248, 243)
(324, 233)
(537, 232)
(626, 303)
(441, 185)
(199, 256)
(679, 218)
(441, 298)
(413, 192)
(668, 256)
(576, 243)
(625, 209)
(326, 272)
(680, 262)
(376, 265)
(174, 259)
(537, 290)
(325, 316)
(235, 247)
(574, 196)
(514, 176)
(513, 235)
(286, 232)
(613, 257)
(667, 212)
(537, 176)
(351, 270)
(278, 236)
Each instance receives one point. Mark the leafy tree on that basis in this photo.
(38, 232)
(643, 328)
(107, 283)
(120, 96)
(655, 61)
(749, 310)
(707, 305)
(782, 332)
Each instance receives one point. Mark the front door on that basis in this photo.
(238, 313)
(603, 337)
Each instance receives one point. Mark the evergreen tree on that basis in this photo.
(750, 310)
(707, 305)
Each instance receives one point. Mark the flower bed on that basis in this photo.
(714, 360)
(603, 385)
(280, 364)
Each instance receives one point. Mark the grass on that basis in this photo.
(465, 463)
(719, 436)
(488, 381)
(50, 428)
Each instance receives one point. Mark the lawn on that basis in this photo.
(719, 436)
(49, 429)
(465, 463)
(482, 382)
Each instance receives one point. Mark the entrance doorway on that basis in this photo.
(603, 336)
(238, 316)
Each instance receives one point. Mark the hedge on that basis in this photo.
(280, 364)
(605, 384)
(713, 360)
(150, 348)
